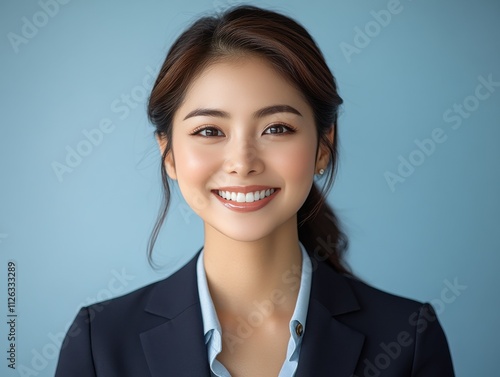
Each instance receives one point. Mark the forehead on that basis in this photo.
(241, 83)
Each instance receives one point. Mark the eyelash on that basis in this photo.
(290, 129)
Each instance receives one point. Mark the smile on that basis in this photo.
(241, 197)
(246, 199)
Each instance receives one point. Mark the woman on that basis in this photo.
(245, 110)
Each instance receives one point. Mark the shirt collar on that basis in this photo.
(210, 319)
(211, 325)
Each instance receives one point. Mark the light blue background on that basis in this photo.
(71, 237)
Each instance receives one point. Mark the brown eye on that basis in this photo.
(208, 132)
(279, 129)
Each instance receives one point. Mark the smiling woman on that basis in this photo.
(245, 110)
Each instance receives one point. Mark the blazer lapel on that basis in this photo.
(176, 346)
(329, 347)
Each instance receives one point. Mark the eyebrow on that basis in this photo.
(269, 110)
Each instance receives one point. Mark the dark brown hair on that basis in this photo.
(294, 54)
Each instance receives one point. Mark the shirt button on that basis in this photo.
(299, 329)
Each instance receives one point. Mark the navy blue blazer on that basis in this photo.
(353, 330)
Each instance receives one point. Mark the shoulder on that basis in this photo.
(163, 298)
(371, 297)
(127, 303)
(369, 308)
(389, 312)
(401, 331)
(110, 336)
(352, 289)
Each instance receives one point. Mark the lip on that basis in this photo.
(246, 207)
(245, 189)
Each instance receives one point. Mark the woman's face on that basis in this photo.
(241, 125)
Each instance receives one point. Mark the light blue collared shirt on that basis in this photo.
(213, 331)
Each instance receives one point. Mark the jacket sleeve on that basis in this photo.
(432, 355)
(75, 358)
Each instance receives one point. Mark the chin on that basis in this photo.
(244, 234)
(249, 231)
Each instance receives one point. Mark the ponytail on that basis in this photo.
(320, 232)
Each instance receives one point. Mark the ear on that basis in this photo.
(169, 159)
(323, 156)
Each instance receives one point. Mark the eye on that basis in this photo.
(278, 128)
(207, 131)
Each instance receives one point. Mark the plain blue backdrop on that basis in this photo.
(417, 188)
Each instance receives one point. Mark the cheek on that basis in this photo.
(194, 162)
(194, 168)
(296, 162)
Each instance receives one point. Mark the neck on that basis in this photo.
(239, 273)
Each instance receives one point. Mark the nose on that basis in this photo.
(243, 157)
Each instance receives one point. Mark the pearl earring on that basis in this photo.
(321, 171)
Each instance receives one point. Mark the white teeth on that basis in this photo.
(245, 198)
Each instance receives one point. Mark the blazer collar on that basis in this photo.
(329, 347)
(176, 347)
